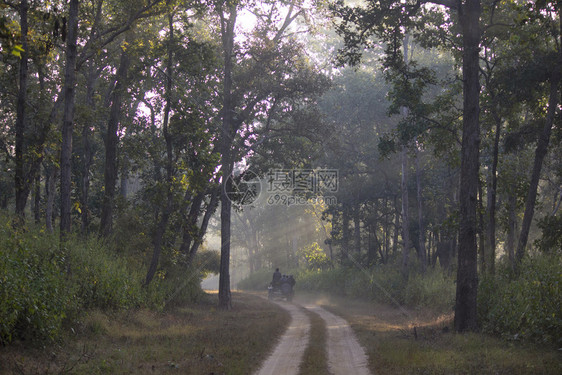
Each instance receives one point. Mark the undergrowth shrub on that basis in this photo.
(524, 305)
(102, 279)
(44, 285)
(35, 295)
(382, 283)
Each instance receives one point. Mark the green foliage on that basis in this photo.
(551, 240)
(314, 257)
(102, 280)
(526, 305)
(35, 294)
(42, 285)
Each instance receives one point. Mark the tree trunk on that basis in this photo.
(421, 230)
(225, 299)
(190, 222)
(396, 226)
(157, 242)
(21, 185)
(211, 208)
(68, 118)
(492, 198)
(540, 153)
(357, 230)
(511, 227)
(227, 135)
(124, 188)
(345, 231)
(387, 226)
(111, 143)
(481, 240)
(467, 276)
(163, 222)
(37, 199)
(50, 191)
(87, 156)
(405, 213)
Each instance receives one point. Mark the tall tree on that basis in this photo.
(228, 131)
(544, 136)
(467, 279)
(68, 117)
(21, 124)
(359, 24)
(168, 204)
(111, 141)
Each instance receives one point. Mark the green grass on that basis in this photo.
(195, 339)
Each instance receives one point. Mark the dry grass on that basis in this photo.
(188, 340)
(394, 347)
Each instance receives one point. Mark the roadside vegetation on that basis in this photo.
(45, 287)
(195, 339)
(515, 306)
(421, 341)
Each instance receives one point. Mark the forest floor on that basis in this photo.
(200, 340)
(194, 339)
(394, 347)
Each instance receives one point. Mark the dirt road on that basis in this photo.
(287, 356)
(345, 354)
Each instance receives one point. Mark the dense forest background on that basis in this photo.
(134, 130)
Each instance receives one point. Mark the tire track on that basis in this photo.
(287, 356)
(345, 355)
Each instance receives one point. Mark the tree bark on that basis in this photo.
(87, 156)
(396, 226)
(467, 277)
(37, 199)
(198, 240)
(357, 230)
(511, 227)
(492, 197)
(227, 135)
(405, 213)
(190, 222)
(111, 145)
(481, 238)
(50, 191)
(421, 230)
(21, 185)
(68, 118)
(345, 231)
(163, 222)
